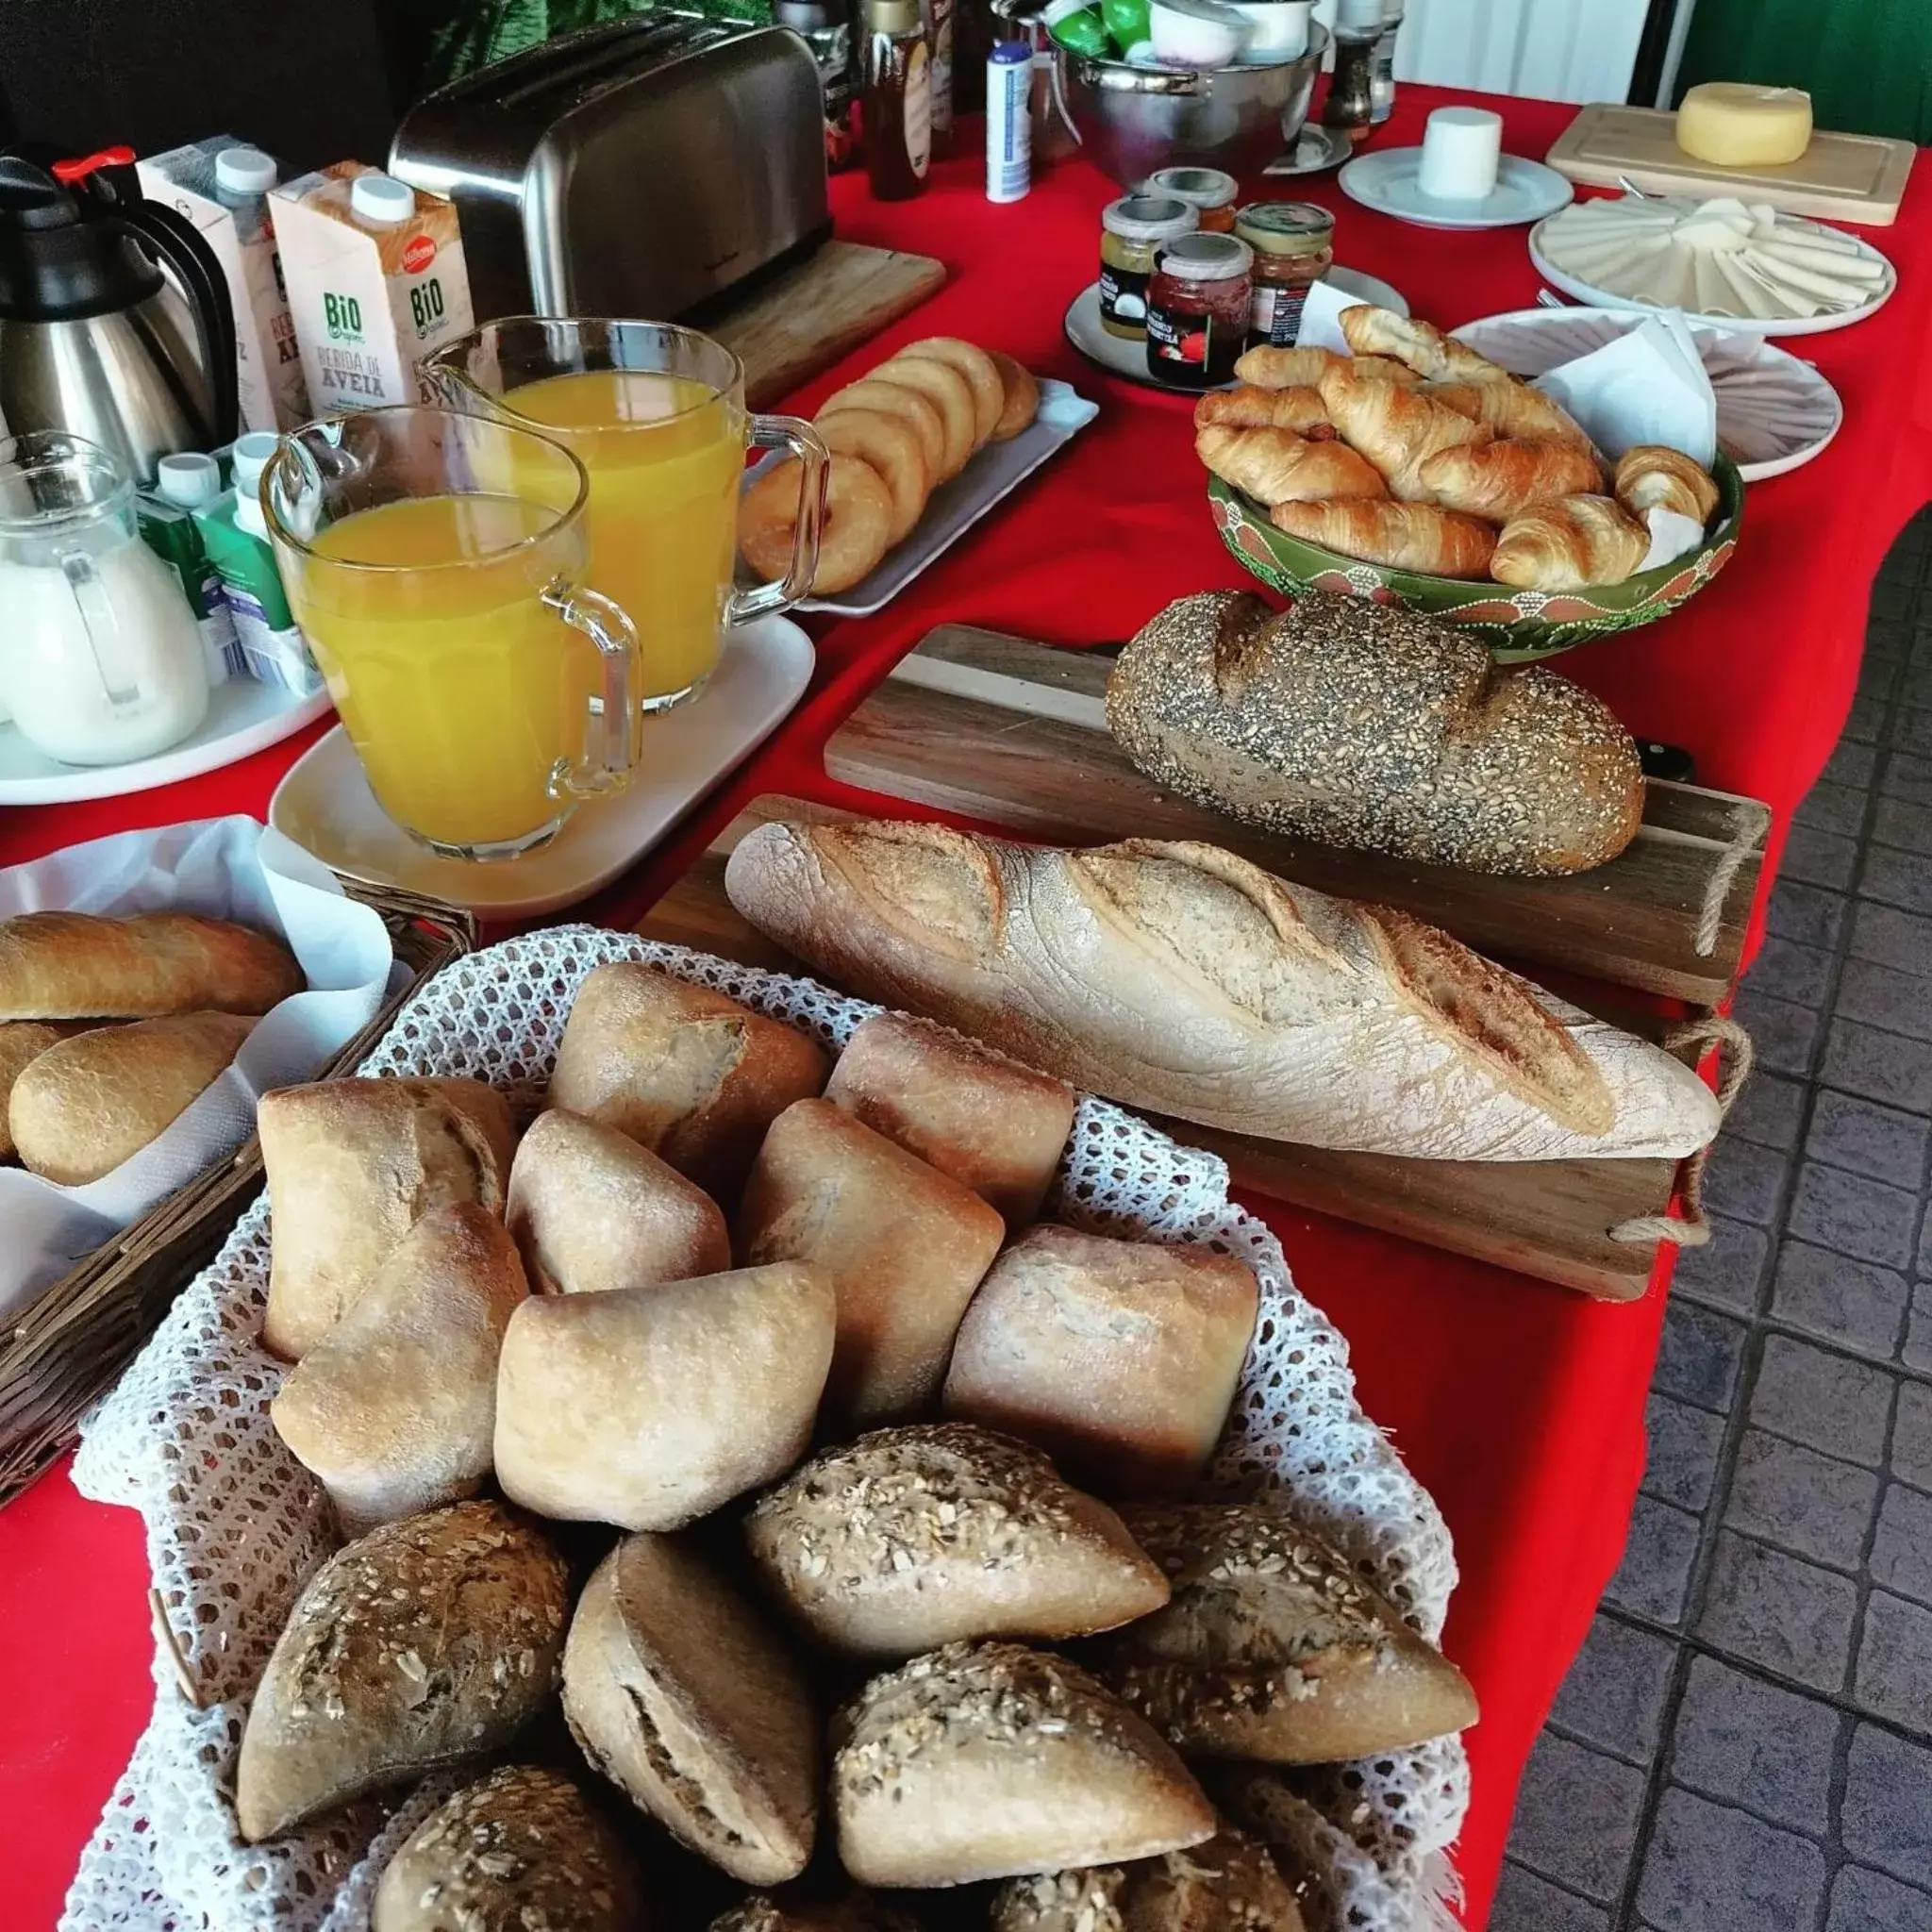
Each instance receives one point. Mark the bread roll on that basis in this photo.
(591, 1210)
(990, 1124)
(1228, 1885)
(1119, 1359)
(519, 1850)
(987, 1760)
(683, 1071)
(903, 1245)
(679, 1693)
(83, 1105)
(352, 1166)
(22, 1042)
(858, 1911)
(75, 966)
(1272, 1647)
(1448, 758)
(912, 1537)
(1179, 977)
(394, 1407)
(429, 1642)
(649, 1407)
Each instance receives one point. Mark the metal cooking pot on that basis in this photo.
(1132, 121)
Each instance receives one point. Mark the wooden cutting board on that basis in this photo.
(1840, 177)
(1546, 1218)
(818, 311)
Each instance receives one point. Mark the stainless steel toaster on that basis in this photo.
(640, 169)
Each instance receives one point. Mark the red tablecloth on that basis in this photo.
(1519, 1405)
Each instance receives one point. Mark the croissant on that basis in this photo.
(1651, 476)
(1510, 408)
(1396, 428)
(1566, 542)
(1252, 407)
(1497, 480)
(1268, 367)
(1424, 347)
(1278, 466)
(1407, 536)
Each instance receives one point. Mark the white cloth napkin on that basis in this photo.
(229, 868)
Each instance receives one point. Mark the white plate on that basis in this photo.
(1120, 356)
(995, 471)
(1315, 151)
(324, 803)
(1744, 324)
(1773, 412)
(244, 716)
(1525, 192)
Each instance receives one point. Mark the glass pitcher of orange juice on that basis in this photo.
(655, 413)
(436, 563)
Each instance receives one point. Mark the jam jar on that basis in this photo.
(1294, 247)
(1197, 310)
(1132, 232)
(1207, 190)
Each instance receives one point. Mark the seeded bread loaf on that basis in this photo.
(989, 1761)
(519, 1850)
(1272, 1648)
(1228, 1885)
(908, 1539)
(429, 1642)
(680, 1695)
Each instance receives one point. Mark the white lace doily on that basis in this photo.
(235, 1524)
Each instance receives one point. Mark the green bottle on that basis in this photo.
(1126, 21)
(1079, 29)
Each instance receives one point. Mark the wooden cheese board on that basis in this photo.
(1549, 1219)
(1840, 177)
(1014, 734)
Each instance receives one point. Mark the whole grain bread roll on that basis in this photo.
(591, 1210)
(649, 1407)
(23, 1041)
(429, 1642)
(903, 1245)
(1369, 728)
(685, 1072)
(989, 1761)
(908, 1539)
(858, 1911)
(78, 966)
(84, 1105)
(519, 1850)
(1119, 1359)
(1179, 977)
(681, 1695)
(352, 1166)
(1272, 1647)
(396, 1407)
(992, 1125)
(1230, 1884)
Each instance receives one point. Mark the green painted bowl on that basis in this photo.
(1517, 624)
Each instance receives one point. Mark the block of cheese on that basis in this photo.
(1736, 124)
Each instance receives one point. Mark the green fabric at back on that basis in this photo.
(472, 33)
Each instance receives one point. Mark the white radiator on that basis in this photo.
(1555, 50)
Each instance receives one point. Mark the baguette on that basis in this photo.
(1230, 1884)
(23, 1041)
(1446, 757)
(1178, 977)
(75, 966)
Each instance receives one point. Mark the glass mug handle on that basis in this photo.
(803, 441)
(613, 721)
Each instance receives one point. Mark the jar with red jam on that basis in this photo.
(1197, 310)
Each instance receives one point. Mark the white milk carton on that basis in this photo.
(377, 282)
(222, 187)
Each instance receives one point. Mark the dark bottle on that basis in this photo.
(1351, 87)
(898, 99)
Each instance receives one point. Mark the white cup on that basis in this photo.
(1461, 150)
(1278, 29)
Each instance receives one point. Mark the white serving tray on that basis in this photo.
(324, 803)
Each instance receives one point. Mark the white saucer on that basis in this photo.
(1121, 357)
(1525, 192)
(1316, 149)
(324, 803)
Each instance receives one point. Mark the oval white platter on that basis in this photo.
(1773, 412)
(1744, 324)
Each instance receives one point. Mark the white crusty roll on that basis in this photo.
(1179, 977)
(1230, 1884)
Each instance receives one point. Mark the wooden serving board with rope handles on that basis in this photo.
(1593, 1226)
(1014, 733)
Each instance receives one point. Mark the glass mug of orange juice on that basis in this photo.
(436, 563)
(655, 413)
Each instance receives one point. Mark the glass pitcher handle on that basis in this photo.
(802, 440)
(613, 723)
(101, 624)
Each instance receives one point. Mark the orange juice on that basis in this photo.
(665, 456)
(461, 690)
